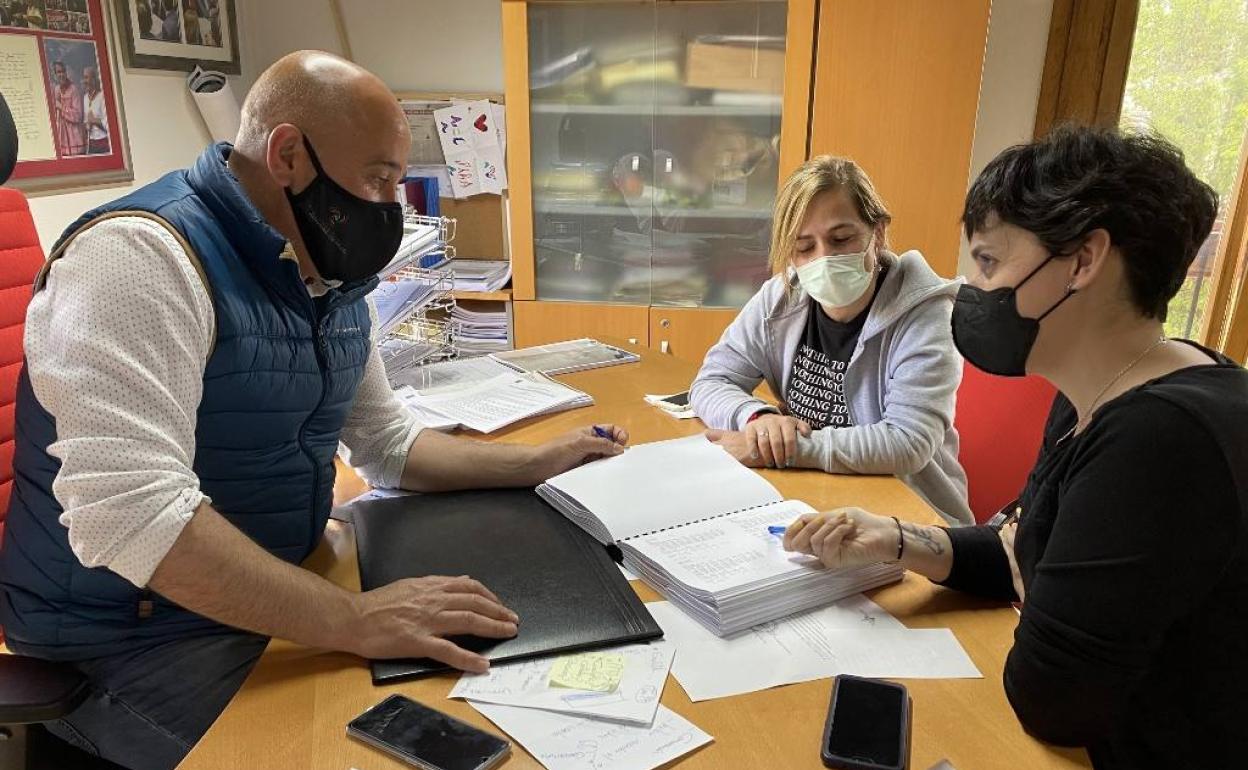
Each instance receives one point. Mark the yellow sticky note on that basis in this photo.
(597, 671)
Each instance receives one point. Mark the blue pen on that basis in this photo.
(775, 529)
(601, 433)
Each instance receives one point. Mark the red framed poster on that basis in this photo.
(58, 77)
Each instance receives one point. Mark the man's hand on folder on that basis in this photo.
(411, 618)
(578, 447)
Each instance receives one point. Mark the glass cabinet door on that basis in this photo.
(655, 130)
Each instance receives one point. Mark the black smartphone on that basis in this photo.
(868, 725)
(426, 737)
(678, 402)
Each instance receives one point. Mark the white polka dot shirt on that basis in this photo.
(116, 345)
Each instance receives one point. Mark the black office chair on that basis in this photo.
(31, 690)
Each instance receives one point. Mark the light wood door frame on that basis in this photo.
(1085, 65)
(1225, 325)
(799, 75)
(515, 21)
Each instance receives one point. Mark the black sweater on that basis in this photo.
(1133, 640)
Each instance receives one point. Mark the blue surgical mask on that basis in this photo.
(837, 281)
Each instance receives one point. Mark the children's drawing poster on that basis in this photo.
(472, 141)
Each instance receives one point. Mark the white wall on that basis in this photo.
(165, 132)
(1018, 34)
(429, 45)
(413, 45)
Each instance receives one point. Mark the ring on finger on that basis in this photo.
(762, 434)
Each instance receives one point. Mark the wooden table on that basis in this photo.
(293, 710)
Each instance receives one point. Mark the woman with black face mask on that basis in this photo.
(1128, 548)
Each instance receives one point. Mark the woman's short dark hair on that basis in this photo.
(1077, 179)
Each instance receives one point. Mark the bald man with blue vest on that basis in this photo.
(195, 353)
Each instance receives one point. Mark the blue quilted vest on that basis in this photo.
(278, 385)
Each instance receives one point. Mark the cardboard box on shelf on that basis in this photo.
(734, 67)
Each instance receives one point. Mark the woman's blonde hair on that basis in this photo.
(819, 174)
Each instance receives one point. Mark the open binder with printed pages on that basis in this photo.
(692, 522)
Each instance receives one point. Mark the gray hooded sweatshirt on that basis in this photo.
(900, 384)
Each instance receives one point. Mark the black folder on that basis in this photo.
(560, 581)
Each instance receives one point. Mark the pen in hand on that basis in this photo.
(601, 432)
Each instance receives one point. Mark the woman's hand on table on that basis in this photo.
(768, 441)
(845, 537)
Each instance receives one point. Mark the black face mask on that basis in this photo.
(989, 332)
(347, 237)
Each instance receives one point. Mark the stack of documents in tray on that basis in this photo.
(481, 394)
(420, 246)
(396, 300)
(482, 275)
(478, 332)
(692, 522)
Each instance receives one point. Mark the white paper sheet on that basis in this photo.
(854, 636)
(526, 684)
(499, 401)
(481, 126)
(451, 375)
(562, 742)
(426, 416)
(663, 484)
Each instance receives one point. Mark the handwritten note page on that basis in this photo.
(853, 636)
(562, 742)
(21, 82)
(527, 683)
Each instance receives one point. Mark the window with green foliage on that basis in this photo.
(1188, 80)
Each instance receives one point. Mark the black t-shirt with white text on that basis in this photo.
(817, 381)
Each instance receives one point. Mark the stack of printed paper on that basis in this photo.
(477, 332)
(497, 402)
(696, 525)
(482, 275)
(595, 709)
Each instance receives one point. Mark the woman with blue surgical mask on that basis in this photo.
(853, 339)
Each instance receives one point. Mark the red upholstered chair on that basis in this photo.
(31, 690)
(1000, 422)
(20, 260)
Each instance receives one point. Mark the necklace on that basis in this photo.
(1092, 409)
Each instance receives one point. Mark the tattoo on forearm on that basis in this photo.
(924, 536)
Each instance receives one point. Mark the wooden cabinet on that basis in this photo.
(687, 333)
(537, 323)
(648, 139)
(643, 164)
(897, 89)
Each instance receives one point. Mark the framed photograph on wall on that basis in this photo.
(60, 82)
(180, 34)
